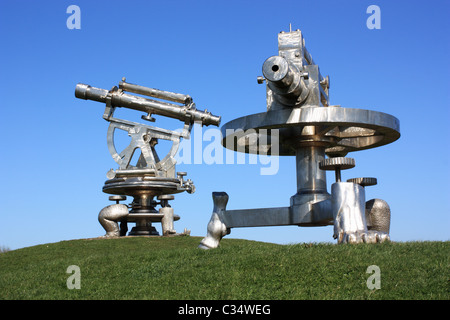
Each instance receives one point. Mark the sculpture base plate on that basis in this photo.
(144, 223)
(143, 231)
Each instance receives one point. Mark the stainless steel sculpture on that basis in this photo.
(309, 128)
(151, 176)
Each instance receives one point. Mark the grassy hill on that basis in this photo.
(174, 268)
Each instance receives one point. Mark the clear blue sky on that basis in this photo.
(54, 154)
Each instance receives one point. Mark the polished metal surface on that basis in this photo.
(309, 128)
(378, 215)
(117, 98)
(151, 176)
(348, 206)
(338, 130)
(216, 229)
(160, 94)
(285, 80)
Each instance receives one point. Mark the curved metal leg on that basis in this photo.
(216, 229)
(109, 216)
(348, 205)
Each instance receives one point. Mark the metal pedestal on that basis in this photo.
(143, 212)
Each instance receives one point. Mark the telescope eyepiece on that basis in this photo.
(276, 69)
(81, 90)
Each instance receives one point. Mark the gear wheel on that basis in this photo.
(365, 182)
(341, 163)
(337, 164)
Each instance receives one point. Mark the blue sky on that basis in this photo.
(54, 153)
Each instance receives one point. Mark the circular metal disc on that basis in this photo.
(340, 130)
(152, 186)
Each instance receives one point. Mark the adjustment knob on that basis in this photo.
(166, 197)
(180, 176)
(117, 198)
(165, 200)
(260, 79)
(337, 164)
(364, 182)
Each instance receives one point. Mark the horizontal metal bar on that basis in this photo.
(257, 217)
(135, 172)
(307, 214)
(123, 100)
(156, 93)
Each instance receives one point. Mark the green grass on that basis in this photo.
(174, 268)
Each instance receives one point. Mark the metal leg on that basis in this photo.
(109, 216)
(216, 229)
(167, 221)
(348, 206)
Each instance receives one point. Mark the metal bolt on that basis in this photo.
(260, 79)
(325, 83)
(148, 117)
(180, 176)
(111, 174)
(337, 164)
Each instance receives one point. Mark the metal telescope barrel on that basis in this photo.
(277, 70)
(121, 99)
(284, 78)
(166, 95)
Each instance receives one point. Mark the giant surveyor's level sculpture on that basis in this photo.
(151, 176)
(308, 127)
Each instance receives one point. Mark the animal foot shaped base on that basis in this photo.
(362, 237)
(216, 229)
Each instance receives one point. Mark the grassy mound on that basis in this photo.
(174, 268)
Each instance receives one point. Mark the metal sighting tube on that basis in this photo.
(284, 79)
(120, 99)
(86, 92)
(276, 69)
(166, 95)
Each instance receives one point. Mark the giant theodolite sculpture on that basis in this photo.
(307, 127)
(151, 176)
